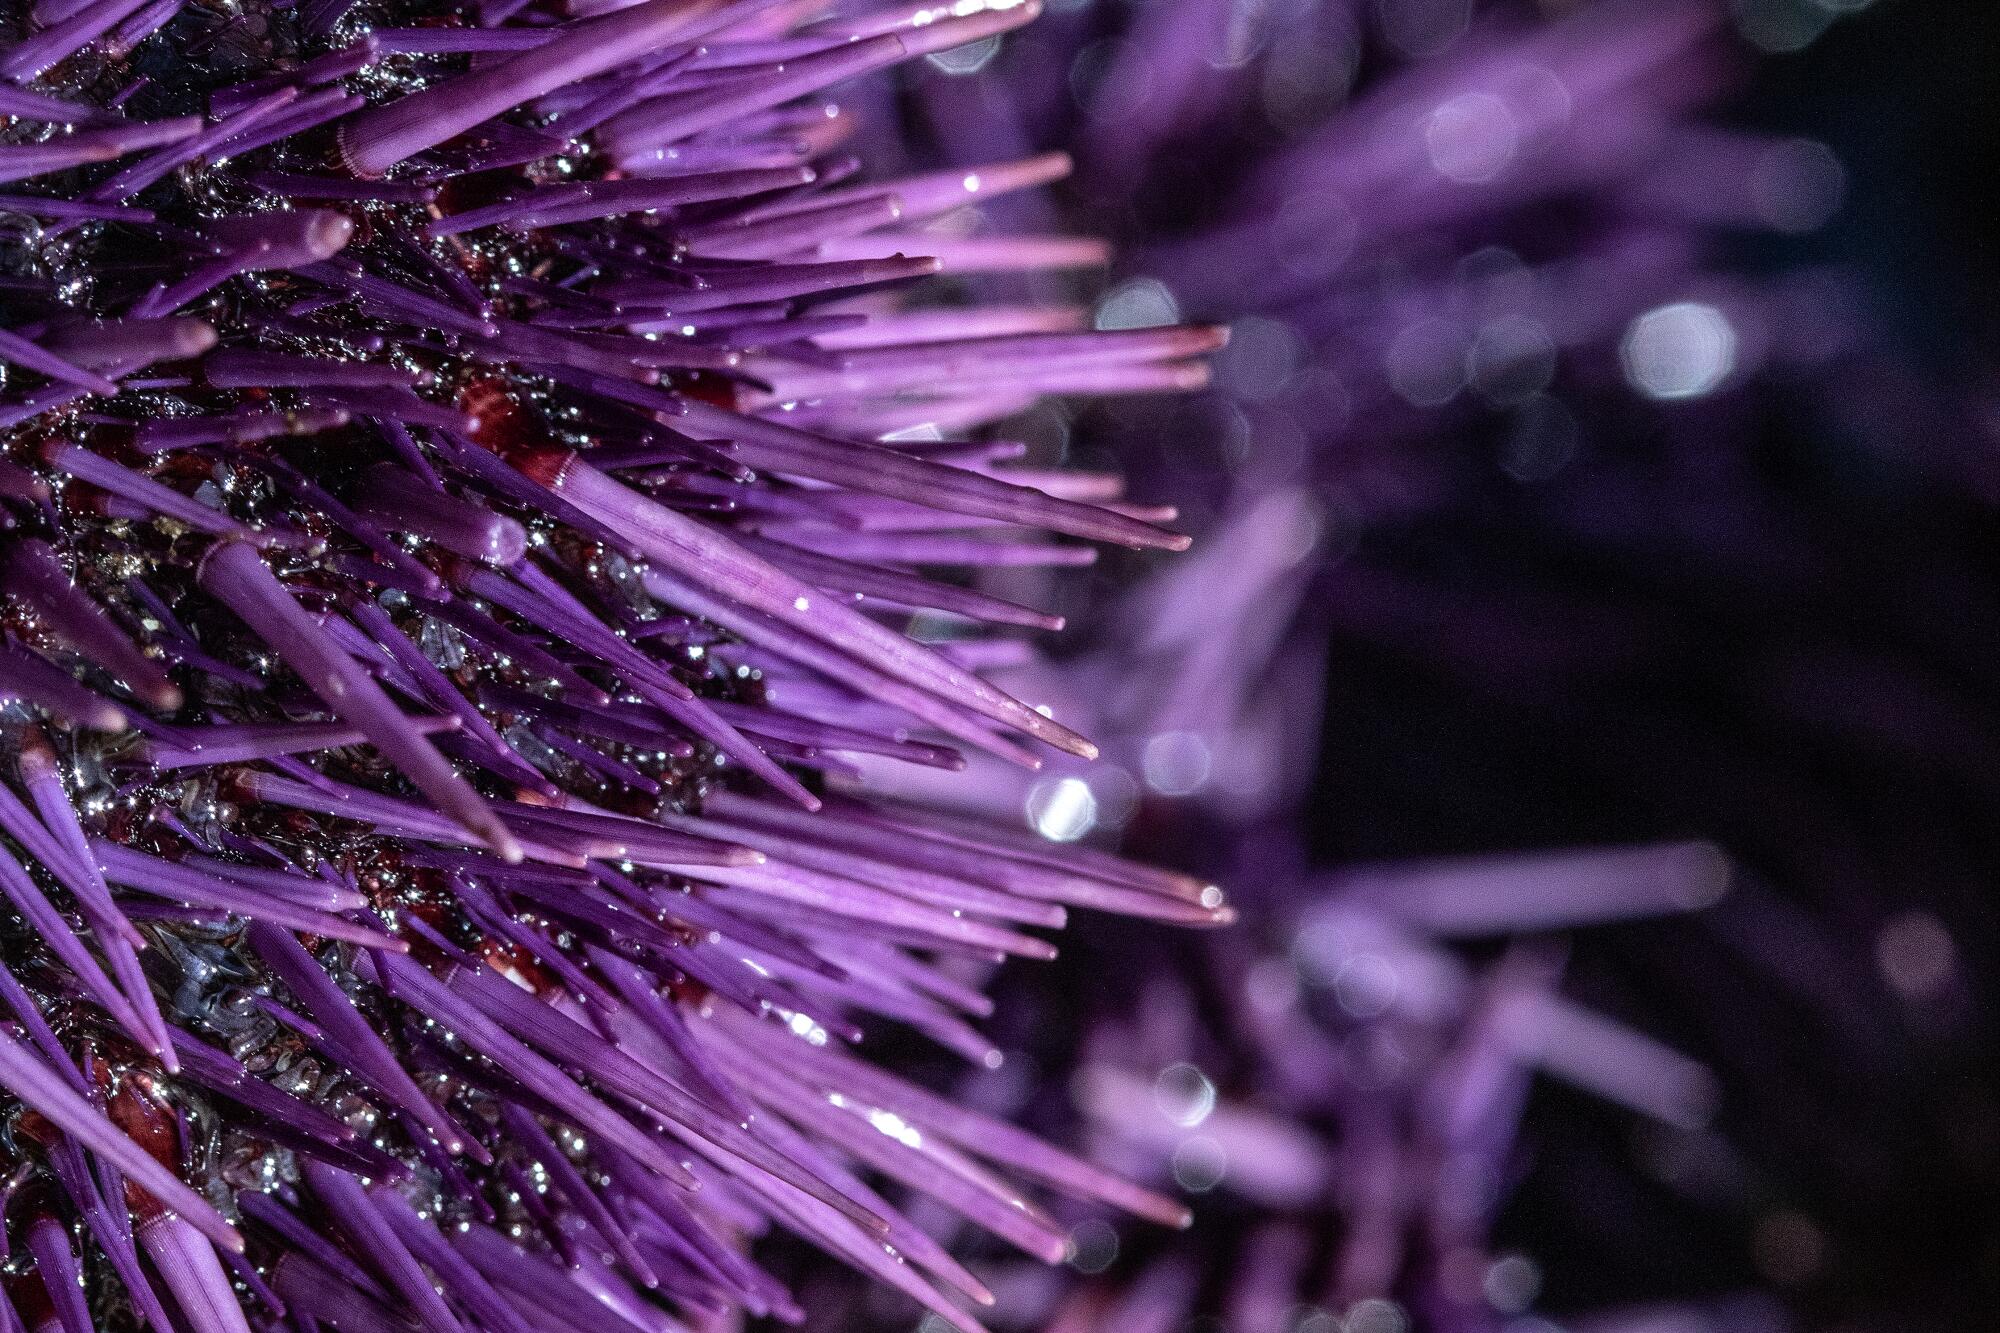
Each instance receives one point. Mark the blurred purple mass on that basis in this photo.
(1583, 678)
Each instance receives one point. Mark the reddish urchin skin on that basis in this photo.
(466, 474)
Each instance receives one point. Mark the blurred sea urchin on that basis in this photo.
(1552, 490)
(452, 566)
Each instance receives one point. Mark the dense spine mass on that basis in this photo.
(466, 472)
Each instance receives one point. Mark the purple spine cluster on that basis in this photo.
(1443, 251)
(1452, 241)
(468, 472)
(1362, 1091)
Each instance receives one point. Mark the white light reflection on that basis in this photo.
(967, 59)
(1679, 351)
(897, 1128)
(1139, 303)
(1176, 763)
(1184, 1095)
(1376, 1316)
(803, 1026)
(1062, 809)
(1472, 138)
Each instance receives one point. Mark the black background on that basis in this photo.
(1863, 571)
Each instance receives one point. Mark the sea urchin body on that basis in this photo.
(450, 547)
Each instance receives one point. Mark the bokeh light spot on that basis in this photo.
(1780, 26)
(1116, 793)
(1788, 1247)
(1542, 441)
(1260, 361)
(1377, 1316)
(1139, 303)
(1184, 1095)
(1062, 809)
(1092, 1247)
(1365, 985)
(1512, 359)
(1177, 763)
(1798, 185)
(967, 59)
(1915, 954)
(1199, 1164)
(1679, 351)
(1313, 234)
(1511, 1283)
(1426, 363)
(1472, 138)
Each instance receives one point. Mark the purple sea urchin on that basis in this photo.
(1361, 1090)
(454, 555)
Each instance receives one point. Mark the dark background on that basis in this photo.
(1804, 664)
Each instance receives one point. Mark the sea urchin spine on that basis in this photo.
(460, 505)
